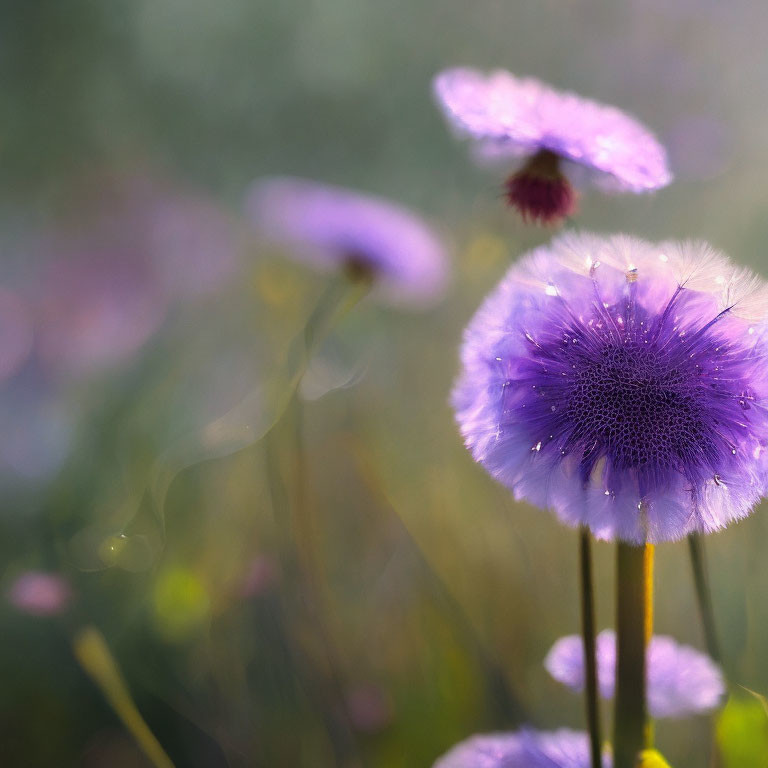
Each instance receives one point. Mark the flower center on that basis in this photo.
(639, 407)
(540, 191)
(358, 269)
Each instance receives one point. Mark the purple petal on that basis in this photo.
(515, 116)
(681, 680)
(327, 226)
(522, 749)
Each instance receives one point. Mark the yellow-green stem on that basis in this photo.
(634, 624)
(93, 654)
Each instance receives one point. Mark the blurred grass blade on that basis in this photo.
(94, 656)
(759, 696)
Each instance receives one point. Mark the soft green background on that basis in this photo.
(435, 584)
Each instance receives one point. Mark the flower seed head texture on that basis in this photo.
(681, 680)
(522, 749)
(622, 384)
(332, 228)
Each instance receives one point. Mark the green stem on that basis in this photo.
(633, 578)
(317, 655)
(704, 595)
(588, 634)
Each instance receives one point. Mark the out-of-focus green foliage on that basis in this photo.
(742, 732)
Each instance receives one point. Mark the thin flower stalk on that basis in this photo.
(588, 637)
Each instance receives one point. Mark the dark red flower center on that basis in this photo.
(358, 268)
(540, 191)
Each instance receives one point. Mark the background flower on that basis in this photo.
(39, 593)
(681, 680)
(334, 228)
(524, 118)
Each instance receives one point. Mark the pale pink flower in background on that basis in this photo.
(40, 593)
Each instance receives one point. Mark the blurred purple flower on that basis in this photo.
(129, 248)
(16, 334)
(40, 594)
(622, 384)
(681, 680)
(522, 749)
(333, 228)
(97, 309)
(513, 117)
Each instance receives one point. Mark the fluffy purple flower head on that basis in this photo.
(524, 118)
(622, 384)
(522, 749)
(333, 228)
(681, 680)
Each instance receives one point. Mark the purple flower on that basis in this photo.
(622, 384)
(681, 680)
(40, 594)
(525, 118)
(333, 228)
(97, 308)
(522, 749)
